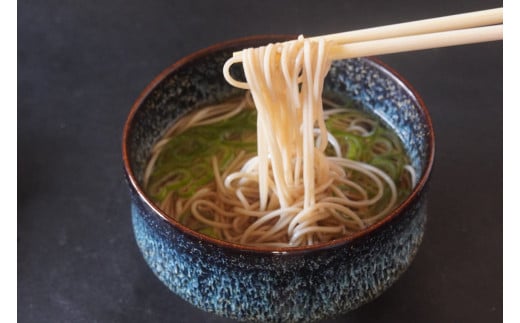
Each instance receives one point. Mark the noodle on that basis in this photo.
(291, 192)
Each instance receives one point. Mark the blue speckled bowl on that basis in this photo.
(288, 284)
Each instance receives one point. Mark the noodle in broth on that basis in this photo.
(274, 168)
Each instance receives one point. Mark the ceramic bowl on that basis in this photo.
(284, 284)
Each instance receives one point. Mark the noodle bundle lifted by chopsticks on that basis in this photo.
(286, 82)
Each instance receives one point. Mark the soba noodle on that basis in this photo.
(301, 186)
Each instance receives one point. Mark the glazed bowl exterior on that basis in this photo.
(284, 284)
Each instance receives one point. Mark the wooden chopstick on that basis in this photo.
(452, 22)
(459, 29)
(417, 42)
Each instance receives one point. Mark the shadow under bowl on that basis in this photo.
(277, 284)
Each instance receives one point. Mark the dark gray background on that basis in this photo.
(83, 63)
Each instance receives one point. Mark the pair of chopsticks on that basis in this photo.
(460, 29)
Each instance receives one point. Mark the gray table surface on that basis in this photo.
(83, 63)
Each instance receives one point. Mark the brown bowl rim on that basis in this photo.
(271, 250)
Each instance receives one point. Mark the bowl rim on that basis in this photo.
(230, 246)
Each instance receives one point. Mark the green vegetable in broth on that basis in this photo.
(189, 159)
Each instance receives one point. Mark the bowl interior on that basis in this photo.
(197, 81)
